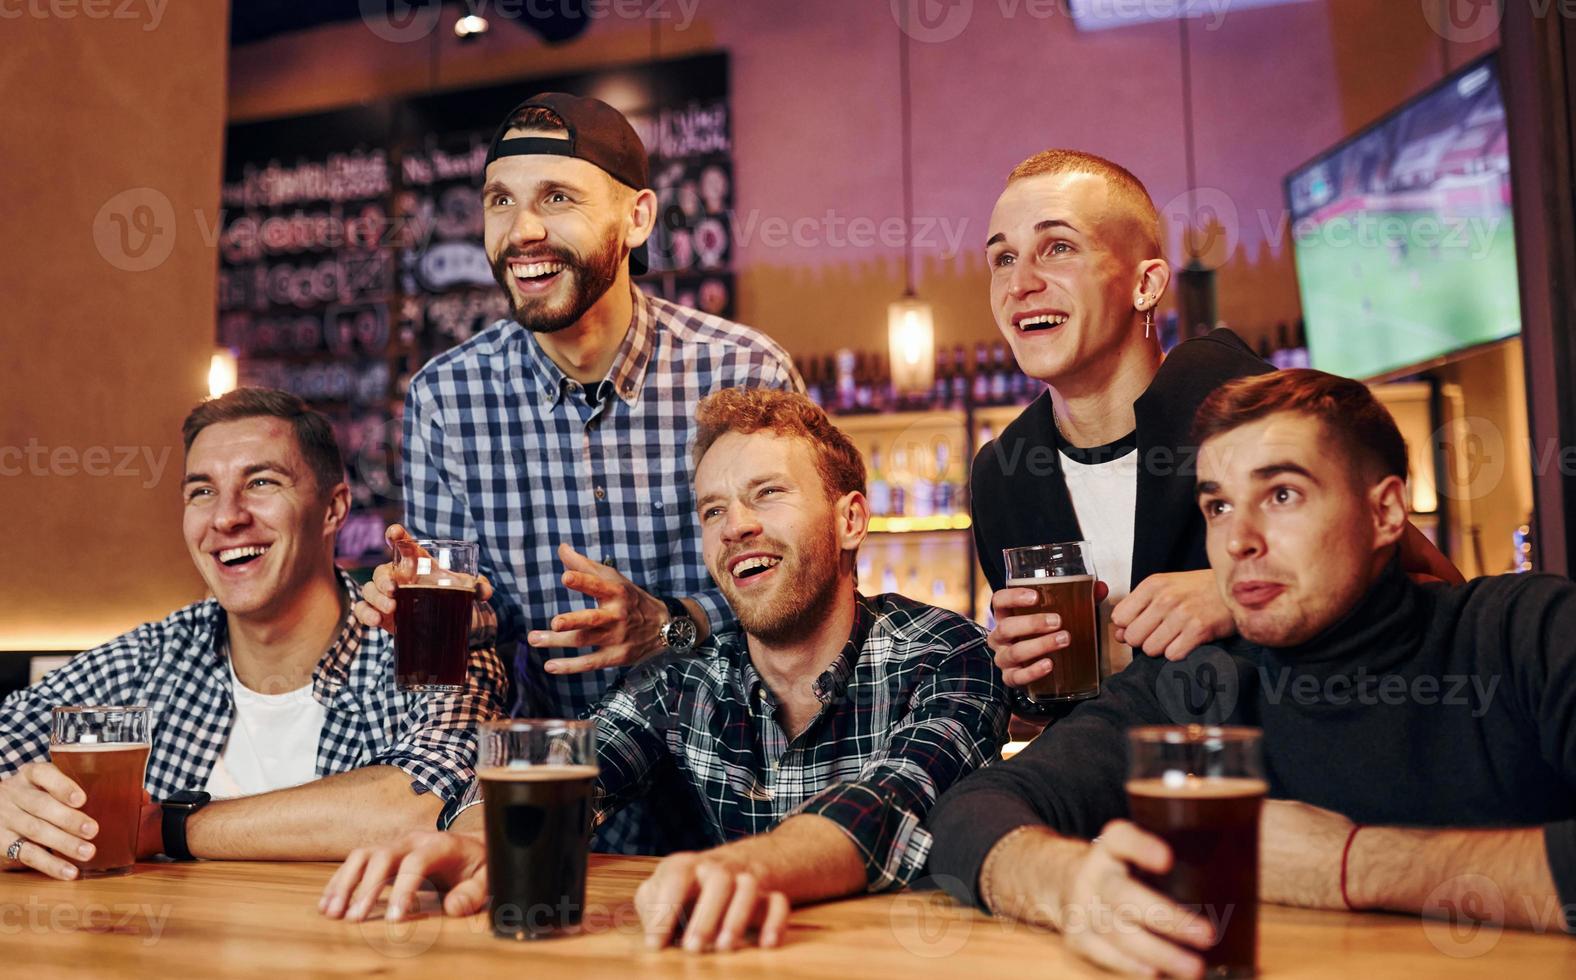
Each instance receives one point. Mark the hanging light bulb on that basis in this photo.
(911, 323)
(911, 340)
(222, 373)
(470, 27)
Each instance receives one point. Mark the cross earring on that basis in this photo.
(1149, 321)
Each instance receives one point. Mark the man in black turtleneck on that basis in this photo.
(1423, 736)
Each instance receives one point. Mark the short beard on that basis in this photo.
(591, 278)
(804, 602)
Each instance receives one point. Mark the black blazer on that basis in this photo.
(1019, 496)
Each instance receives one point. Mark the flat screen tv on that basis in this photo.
(1402, 234)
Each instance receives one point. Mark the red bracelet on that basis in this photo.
(1346, 852)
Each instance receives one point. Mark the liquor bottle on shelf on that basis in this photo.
(899, 481)
(1020, 387)
(980, 391)
(983, 435)
(938, 594)
(1299, 348)
(999, 375)
(1282, 347)
(880, 489)
(884, 395)
(941, 389)
(946, 492)
(922, 489)
(889, 581)
(847, 394)
(810, 371)
(862, 386)
(959, 395)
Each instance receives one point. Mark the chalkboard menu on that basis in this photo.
(351, 248)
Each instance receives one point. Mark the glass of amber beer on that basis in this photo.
(1063, 575)
(104, 750)
(434, 589)
(537, 777)
(1201, 789)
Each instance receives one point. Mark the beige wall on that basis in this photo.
(108, 123)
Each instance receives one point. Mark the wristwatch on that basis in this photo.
(176, 811)
(679, 632)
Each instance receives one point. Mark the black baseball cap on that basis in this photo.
(598, 134)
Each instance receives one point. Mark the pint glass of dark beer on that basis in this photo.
(104, 750)
(1200, 789)
(537, 777)
(1063, 575)
(435, 588)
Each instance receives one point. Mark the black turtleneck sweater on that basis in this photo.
(1426, 706)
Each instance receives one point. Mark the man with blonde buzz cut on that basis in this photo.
(1077, 272)
(817, 733)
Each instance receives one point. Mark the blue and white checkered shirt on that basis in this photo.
(177, 667)
(502, 448)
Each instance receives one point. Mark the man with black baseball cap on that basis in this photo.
(557, 438)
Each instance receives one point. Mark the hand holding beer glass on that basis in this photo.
(1200, 790)
(537, 778)
(435, 586)
(104, 750)
(1063, 578)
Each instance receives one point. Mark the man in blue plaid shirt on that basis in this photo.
(269, 696)
(818, 731)
(557, 439)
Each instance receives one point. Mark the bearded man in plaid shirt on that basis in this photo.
(557, 438)
(270, 698)
(818, 731)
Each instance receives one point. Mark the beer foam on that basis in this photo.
(441, 585)
(536, 774)
(1029, 583)
(1198, 788)
(97, 747)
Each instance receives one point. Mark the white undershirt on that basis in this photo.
(1105, 497)
(273, 741)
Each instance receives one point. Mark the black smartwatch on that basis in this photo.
(176, 811)
(679, 632)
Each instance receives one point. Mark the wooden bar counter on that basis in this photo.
(235, 919)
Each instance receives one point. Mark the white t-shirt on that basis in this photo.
(273, 741)
(1105, 497)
